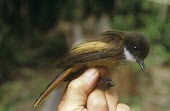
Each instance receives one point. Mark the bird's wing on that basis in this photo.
(102, 46)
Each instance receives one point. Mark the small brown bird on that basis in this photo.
(108, 49)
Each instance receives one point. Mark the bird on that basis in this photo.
(109, 49)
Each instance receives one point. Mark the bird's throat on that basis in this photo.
(128, 55)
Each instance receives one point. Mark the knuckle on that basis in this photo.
(100, 103)
(75, 84)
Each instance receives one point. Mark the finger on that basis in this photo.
(96, 101)
(102, 71)
(112, 99)
(86, 82)
(78, 89)
(123, 107)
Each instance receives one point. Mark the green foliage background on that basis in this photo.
(24, 39)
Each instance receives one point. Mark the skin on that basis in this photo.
(89, 98)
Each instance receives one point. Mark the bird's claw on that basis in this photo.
(105, 83)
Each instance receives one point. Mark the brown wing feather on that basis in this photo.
(102, 46)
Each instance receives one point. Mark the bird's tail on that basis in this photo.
(52, 85)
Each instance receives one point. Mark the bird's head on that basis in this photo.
(136, 47)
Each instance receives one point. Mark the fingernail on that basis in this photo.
(90, 72)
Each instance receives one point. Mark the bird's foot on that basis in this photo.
(105, 83)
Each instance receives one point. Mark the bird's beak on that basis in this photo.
(141, 63)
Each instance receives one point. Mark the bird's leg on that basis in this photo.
(108, 82)
(103, 82)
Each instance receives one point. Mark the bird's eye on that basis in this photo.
(135, 48)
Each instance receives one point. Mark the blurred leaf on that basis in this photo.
(121, 22)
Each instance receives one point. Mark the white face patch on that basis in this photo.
(128, 55)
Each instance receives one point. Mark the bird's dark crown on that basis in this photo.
(136, 44)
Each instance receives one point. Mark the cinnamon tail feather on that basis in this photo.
(52, 86)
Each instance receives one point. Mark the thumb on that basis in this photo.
(86, 82)
(76, 95)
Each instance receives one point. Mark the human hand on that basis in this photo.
(81, 95)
